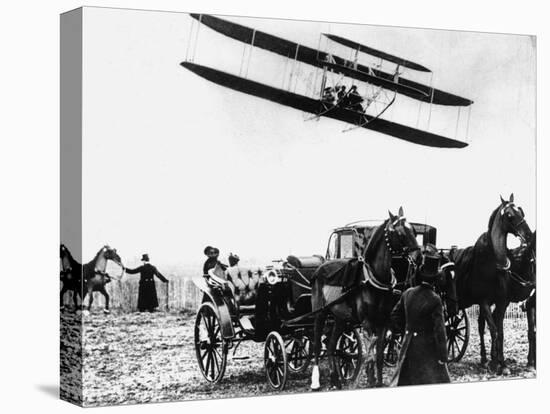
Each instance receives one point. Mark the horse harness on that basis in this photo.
(368, 274)
(514, 226)
(507, 269)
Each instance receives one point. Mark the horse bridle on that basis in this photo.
(388, 232)
(369, 275)
(515, 227)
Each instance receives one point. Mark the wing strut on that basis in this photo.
(367, 120)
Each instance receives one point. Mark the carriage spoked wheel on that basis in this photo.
(392, 347)
(210, 347)
(349, 352)
(275, 361)
(458, 335)
(298, 349)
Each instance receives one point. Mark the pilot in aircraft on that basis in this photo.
(353, 100)
(342, 94)
(328, 95)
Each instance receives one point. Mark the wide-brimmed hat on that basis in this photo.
(144, 257)
(212, 249)
(429, 269)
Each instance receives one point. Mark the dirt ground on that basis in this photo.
(141, 357)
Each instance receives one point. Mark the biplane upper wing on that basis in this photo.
(377, 53)
(314, 106)
(319, 59)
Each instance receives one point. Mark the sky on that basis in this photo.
(172, 162)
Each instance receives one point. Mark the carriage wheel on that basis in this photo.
(275, 361)
(210, 347)
(298, 349)
(349, 352)
(458, 335)
(392, 347)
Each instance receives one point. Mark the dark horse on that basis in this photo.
(520, 287)
(71, 275)
(530, 304)
(367, 283)
(483, 275)
(96, 277)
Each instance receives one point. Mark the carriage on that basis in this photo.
(274, 307)
(282, 294)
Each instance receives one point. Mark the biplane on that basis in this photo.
(361, 105)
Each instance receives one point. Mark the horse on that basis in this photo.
(96, 277)
(530, 306)
(71, 276)
(483, 273)
(360, 291)
(520, 287)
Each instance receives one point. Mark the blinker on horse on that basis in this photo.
(360, 291)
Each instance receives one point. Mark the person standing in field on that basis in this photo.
(147, 295)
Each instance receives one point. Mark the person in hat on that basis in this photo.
(147, 294)
(341, 93)
(213, 254)
(233, 260)
(419, 315)
(353, 100)
(328, 95)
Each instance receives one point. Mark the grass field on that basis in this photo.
(140, 357)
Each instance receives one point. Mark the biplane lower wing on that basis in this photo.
(317, 58)
(314, 106)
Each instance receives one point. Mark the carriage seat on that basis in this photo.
(305, 261)
(244, 285)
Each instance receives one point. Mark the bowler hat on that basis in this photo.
(145, 257)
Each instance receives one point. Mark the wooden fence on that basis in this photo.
(179, 294)
(182, 294)
(514, 316)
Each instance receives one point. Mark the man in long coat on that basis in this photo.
(147, 295)
(419, 314)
